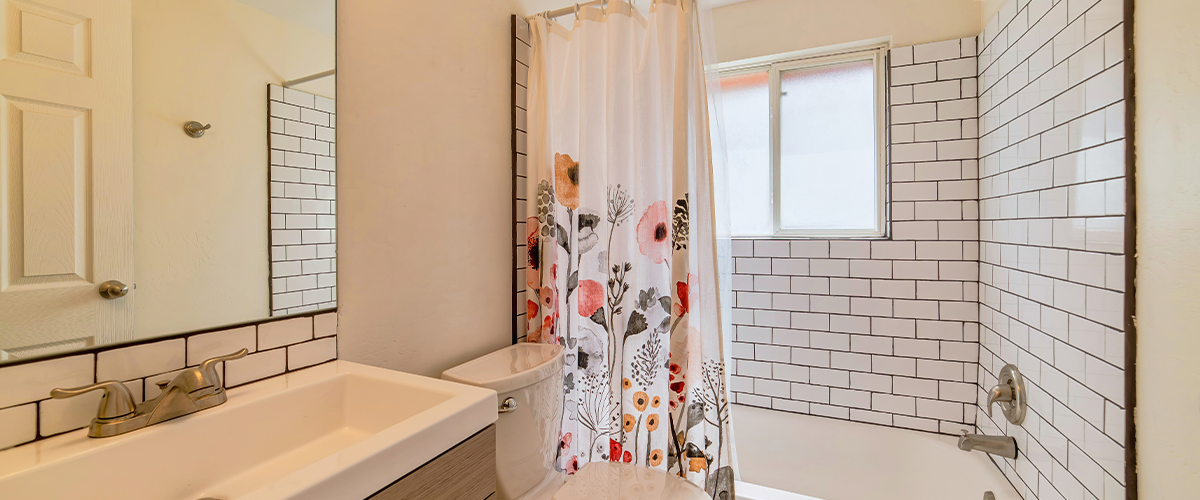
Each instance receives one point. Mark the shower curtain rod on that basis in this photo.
(565, 10)
(310, 78)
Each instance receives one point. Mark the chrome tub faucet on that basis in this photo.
(192, 390)
(1003, 446)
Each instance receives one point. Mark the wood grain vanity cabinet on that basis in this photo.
(465, 472)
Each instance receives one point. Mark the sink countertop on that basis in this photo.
(340, 430)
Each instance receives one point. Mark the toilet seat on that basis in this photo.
(621, 481)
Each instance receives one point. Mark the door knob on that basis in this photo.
(113, 289)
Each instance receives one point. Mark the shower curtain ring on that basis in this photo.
(576, 12)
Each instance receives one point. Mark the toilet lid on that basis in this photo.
(621, 481)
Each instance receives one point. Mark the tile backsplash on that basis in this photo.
(881, 331)
(1052, 232)
(276, 347)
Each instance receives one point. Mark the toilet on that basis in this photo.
(528, 381)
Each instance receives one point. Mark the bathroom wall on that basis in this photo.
(764, 27)
(425, 148)
(879, 331)
(1168, 183)
(198, 203)
(1052, 263)
(303, 206)
(276, 347)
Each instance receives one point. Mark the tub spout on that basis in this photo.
(1003, 446)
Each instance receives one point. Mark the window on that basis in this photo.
(805, 145)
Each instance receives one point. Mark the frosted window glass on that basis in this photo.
(827, 147)
(747, 115)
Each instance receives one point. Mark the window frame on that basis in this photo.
(876, 53)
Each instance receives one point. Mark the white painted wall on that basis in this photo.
(764, 27)
(1168, 201)
(200, 205)
(424, 176)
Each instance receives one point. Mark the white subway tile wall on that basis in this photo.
(276, 347)
(520, 83)
(1052, 273)
(1007, 227)
(885, 331)
(303, 201)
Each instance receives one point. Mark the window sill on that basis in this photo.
(810, 238)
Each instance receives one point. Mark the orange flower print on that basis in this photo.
(697, 464)
(654, 232)
(640, 400)
(533, 330)
(626, 384)
(656, 457)
(655, 402)
(566, 180)
(629, 423)
(652, 422)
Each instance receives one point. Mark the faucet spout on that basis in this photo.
(1003, 446)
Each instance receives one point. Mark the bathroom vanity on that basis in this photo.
(467, 471)
(338, 431)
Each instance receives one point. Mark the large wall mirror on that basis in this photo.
(165, 166)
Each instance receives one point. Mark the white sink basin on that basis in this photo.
(336, 431)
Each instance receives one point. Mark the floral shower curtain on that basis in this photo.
(622, 261)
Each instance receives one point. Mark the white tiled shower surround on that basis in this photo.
(1052, 263)
(303, 201)
(1004, 249)
(879, 331)
(276, 347)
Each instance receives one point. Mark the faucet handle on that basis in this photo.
(116, 402)
(207, 366)
(1002, 393)
(1010, 393)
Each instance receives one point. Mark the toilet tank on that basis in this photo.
(527, 436)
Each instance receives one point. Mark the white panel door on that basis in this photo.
(66, 210)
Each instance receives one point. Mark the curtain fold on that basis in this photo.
(623, 240)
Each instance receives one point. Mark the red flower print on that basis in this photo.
(654, 232)
(677, 387)
(573, 465)
(549, 298)
(547, 331)
(627, 458)
(683, 291)
(564, 443)
(591, 297)
(614, 450)
(675, 368)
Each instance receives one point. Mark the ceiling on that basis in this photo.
(317, 15)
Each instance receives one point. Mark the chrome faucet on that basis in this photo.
(1004, 446)
(1010, 394)
(192, 390)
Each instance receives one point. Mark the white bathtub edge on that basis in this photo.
(747, 491)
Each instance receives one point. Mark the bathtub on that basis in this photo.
(788, 456)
